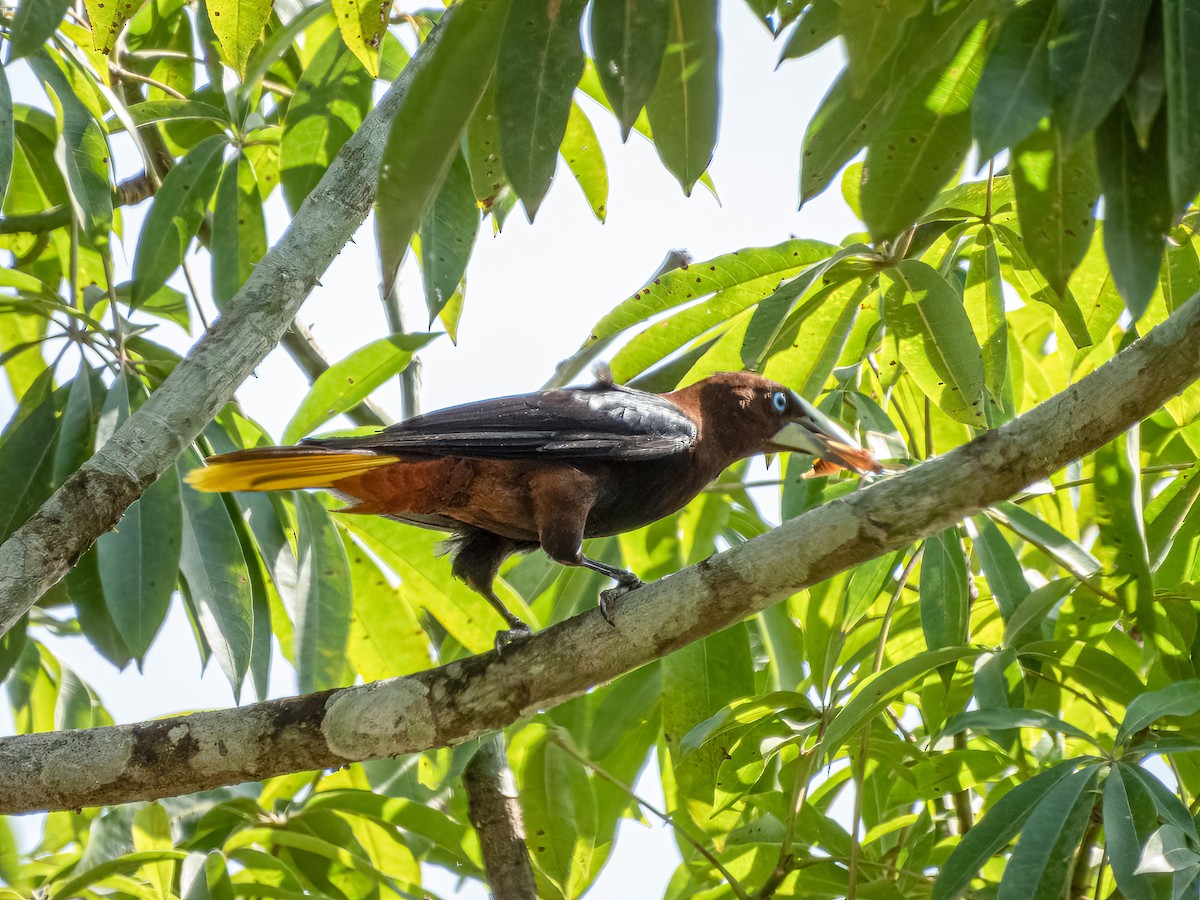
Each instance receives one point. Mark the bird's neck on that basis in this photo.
(719, 443)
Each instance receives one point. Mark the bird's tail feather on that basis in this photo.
(282, 468)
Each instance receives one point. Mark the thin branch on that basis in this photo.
(410, 376)
(495, 812)
(462, 699)
(299, 341)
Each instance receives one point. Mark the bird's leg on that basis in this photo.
(562, 500)
(626, 582)
(517, 630)
(477, 555)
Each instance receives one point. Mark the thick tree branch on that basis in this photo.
(92, 500)
(495, 812)
(446, 705)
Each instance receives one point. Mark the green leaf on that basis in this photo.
(629, 38)
(175, 215)
(424, 137)
(541, 59)
(107, 19)
(582, 153)
(1137, 205)
(139, 562)
(1130, 818)
(489, 181)
(1022, 274)
(348, 382)
(34, 22)
(363, 23)
(331, 99)
(985, 721)
(1025, 623)
(817, 26)
(238, 25)
(7, 136)
(385, 637)
(173, 110)
(1119, 513)
(218, 579)
(1003, 571)
(559, 803)
(983, 300)
(1040, 866)
(428, 587)
(1092, 58)
(945, 599)
(993, 833)
(1179, 699)
(27, 461)
(684, 105)
(448, 231)
(1015, 90)
(756, 268)
(1181, 274)
(698, 681)
(876, 691)
(78, 425)
(920, 147)
(836, 132)
(1066, 552)
(806, 365)
(871, 31)
(239, 234)
(1181, 30)
(1168, 851)
(1057, 191)
(127, 863)
(924, 316)
(87, 594)
(321, 612)
(85, 152)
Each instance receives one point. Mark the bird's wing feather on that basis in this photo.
(600, 422)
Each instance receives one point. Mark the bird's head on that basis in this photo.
(751, 414)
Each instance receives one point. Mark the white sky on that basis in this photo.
(533, 295)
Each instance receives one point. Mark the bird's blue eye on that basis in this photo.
(779, 400)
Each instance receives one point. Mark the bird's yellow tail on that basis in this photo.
(282, 468)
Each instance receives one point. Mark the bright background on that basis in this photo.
(533, 294)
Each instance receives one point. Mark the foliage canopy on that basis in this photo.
(1010, 708)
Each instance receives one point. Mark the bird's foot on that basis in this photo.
(517, 633)
(608, 597)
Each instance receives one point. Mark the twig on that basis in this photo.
(410, 377)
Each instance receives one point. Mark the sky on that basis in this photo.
(534, 291)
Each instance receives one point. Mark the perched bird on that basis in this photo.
(548, 469)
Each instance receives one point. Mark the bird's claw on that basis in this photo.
(517, 633)
(608, 597)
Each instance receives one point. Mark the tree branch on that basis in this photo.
(93, 499)
(460, 700)
(495, 812)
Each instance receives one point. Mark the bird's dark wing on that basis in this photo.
(599, 422)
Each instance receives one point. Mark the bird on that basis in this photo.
(548, 469)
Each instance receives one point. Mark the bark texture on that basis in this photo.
(460, 700)
(90, 502)
(495, 812)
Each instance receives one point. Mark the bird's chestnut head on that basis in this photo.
(747, 414)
